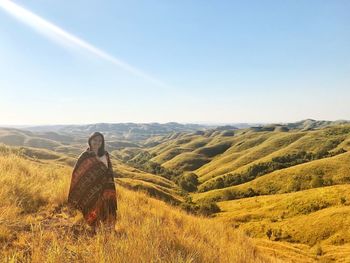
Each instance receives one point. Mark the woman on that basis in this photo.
(92, 189)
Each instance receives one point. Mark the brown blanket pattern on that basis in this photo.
(92, 189)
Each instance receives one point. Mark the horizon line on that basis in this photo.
(179, 122)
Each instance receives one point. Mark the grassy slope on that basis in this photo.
(157, 186)
(50, 140)
(291, 210)
(235, 158)
(189, 151)
(317, 217)
(247, 148)
(336, 168)
(18, 137)
(129, 177)
(277, 144)
(209, 157)
(36, 225)
(288, 215)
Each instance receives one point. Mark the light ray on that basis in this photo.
(51, 30)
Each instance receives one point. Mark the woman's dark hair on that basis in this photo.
(101, 150)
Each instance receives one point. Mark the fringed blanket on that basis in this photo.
(92, 189)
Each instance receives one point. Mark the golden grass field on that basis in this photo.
(36, 225)
(318, 218)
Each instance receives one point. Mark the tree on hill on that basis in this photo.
(188, 182)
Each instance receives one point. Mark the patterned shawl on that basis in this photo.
(92, 189)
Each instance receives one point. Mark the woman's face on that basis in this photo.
(96, 143)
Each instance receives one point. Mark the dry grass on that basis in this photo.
(314, 222)
(36, 225)
(299, 177)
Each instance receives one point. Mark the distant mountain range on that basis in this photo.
(134, 134)
(130, 130)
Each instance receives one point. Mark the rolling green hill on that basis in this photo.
(285, 185)
(323, 172)
(318, 218)
(213, 156)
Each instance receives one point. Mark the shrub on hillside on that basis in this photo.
(342, 200)
(228, 195)
(311, 207)
(317, 181)
(188, 181)
(294, 185)
(250, 192)
(208, 208)
(205, 208)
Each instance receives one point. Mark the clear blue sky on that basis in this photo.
(220, 61)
